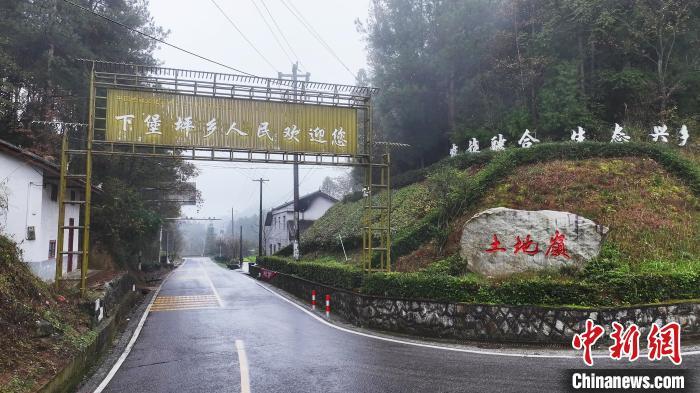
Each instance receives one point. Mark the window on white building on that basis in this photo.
(52, 249)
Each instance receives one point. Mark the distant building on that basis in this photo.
(30, 185)
(279, 222)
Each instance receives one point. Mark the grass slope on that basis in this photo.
(409, 204)
(646, 193)
(650, 213)
(26, 359)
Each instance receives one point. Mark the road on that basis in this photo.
(207, 321)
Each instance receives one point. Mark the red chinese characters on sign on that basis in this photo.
(662, 342)
(665, 342)
(626, 342)
(526, 246)
(495, 245)
(267, 275)
(530, 247)
(587, 339)
(557, 246)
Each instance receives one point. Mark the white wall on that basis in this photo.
(278, 234)
(30, 204)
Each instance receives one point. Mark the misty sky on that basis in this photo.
(200, 27)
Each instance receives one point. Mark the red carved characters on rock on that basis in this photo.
(557, 246)
(526, 246)
(495, 245)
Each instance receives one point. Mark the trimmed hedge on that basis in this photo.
(614, 289)
(334, 274)
(422, 286)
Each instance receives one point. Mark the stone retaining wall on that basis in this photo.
(117, 301)
(503, 323)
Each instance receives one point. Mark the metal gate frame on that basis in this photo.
(376, 228)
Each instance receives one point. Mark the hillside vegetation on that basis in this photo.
(647, 194)
(39, 329)
(651, 214)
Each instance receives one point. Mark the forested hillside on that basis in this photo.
(41, 80)
(452, 70)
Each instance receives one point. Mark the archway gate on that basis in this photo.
(147, 111)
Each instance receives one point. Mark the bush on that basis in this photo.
(422, 286)
(334, 274)
(641, 288)
(602, 283)
(544, 291)
(625, 289)
(451, 266)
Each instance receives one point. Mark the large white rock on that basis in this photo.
(582, 240)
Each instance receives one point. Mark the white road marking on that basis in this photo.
(135, 336)
(213, 288)
(432, 346)
(243, 365)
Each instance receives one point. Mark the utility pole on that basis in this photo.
(233, 238)
(167, 246)
(160, 243)
(295, 77)
(240, 246)
(260, 220)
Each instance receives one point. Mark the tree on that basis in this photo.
(471, 69)
(211, 243)
(40, 79)
(338, 187)
(665, 33)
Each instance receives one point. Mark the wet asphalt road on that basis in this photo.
(289, 351)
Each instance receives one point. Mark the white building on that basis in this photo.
(30, 185)
(279, 221)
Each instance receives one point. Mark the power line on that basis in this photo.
(271, 31)
(244, 36)
(280, 30)
(297, 14)
(289, 195)
(155, 38)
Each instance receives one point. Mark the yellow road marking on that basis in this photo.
(186, 302)
(243, 364)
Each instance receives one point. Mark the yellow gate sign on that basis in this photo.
(214, 122)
